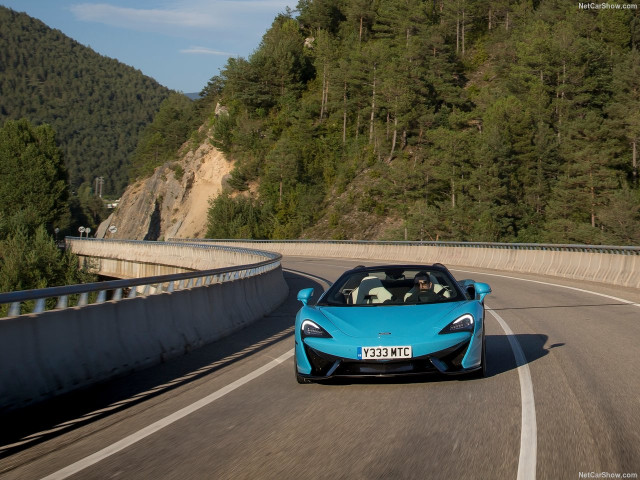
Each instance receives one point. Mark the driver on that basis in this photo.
(422, 291)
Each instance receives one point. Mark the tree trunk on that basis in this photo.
(395, 136)
(634, 161)
(593, 201)
(457, 33)
(373, 106)
(388, 123)
(463, 22)
(344, 115)
(326, 97)
(453, 193)
(324, 81)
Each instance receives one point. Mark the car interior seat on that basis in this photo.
(370, 290)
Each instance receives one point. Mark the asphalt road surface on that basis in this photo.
(562, 400)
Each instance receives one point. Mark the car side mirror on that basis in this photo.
(471, 290)
(304, 295)
(482, 290)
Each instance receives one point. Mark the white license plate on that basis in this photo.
(383, 353)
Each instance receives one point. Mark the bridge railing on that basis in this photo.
(608, 264)
(40, 300)
(621, 250)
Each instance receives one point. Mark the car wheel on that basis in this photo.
(299, 378)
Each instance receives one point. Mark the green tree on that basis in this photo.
(234, 218)
(458, 120)
(33, 178)
(160, 141)
(624, 112)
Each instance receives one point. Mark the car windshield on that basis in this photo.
(393, 286)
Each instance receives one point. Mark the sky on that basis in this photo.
(179, 43)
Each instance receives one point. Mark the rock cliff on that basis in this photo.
(174, 201)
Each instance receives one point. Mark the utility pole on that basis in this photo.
(99, 186)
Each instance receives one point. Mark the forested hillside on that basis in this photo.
(484, 120)
(97, 106)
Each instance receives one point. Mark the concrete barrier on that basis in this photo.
(136, 259)
(47, 354)
(613, 265)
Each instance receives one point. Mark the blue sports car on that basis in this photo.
(392, 320)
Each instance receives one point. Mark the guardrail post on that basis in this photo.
(40, 305)
(102, 296)
(62, 301)
(84, 299)
(14, 309)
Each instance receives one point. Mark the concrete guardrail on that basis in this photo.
(55, 351)
(599, 263)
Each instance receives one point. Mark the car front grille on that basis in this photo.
(449, 361)
(379, 368)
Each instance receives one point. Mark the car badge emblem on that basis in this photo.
(384, 333)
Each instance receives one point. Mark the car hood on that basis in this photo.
(401, 321)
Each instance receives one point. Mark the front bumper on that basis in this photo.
(447, 361)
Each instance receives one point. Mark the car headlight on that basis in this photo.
(312, 329)
(460, 324)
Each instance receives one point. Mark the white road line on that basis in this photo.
(160, 424)
(528, 433)
(309, 276)
(528, 430)
(618, 299)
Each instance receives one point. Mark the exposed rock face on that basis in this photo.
(173, 202)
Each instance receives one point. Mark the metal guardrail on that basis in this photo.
(99, 292)
(621, 250)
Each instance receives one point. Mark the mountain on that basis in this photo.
(97, 106)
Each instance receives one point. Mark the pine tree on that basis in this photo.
(33, 178)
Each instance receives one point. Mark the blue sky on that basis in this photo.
(180, 43)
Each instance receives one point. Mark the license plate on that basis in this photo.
(383, 353)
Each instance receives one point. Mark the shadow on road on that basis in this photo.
(500, 357)
(28, 427)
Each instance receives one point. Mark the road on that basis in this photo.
(233, 410)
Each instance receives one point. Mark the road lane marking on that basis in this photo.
(528, 429)
(160, 424)
(528, 434)
(309, 276)
(618, 299)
